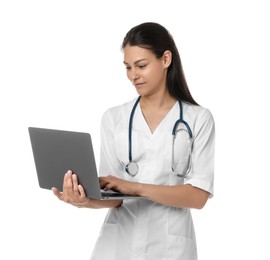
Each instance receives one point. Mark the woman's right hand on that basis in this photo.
(73, 193)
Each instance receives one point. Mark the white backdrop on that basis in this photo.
(61, 67)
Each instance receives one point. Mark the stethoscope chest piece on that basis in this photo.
(132, 168)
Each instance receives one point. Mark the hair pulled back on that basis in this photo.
(156, 38)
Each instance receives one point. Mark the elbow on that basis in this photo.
(200, 199)
(200, 204)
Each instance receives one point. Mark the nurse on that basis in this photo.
(159, 145)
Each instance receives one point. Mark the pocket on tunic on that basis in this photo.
(179, 247)
(180, 223)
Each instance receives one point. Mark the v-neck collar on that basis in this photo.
(162, 123)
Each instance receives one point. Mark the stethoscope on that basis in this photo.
(132, 167)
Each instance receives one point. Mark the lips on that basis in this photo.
(138, 85)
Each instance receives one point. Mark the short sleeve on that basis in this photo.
(203, 153)
(108, 162)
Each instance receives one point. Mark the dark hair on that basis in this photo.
(157, 39)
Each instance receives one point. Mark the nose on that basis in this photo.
(133, 75)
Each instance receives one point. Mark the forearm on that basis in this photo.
(182, 196)
(99, 204)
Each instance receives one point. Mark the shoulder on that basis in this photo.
(197, 113)
(199, 118)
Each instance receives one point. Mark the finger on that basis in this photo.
(81, 191)
(75, 184)
(110, 186)
(68, 183)
(103, 181)
(58, 193)
(107, 177)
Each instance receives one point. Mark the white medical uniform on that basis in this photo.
(141, 229)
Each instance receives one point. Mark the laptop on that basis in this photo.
(57, 151)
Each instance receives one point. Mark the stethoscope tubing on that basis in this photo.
(132, 167)
(130, 129)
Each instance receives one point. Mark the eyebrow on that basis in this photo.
(136, 62)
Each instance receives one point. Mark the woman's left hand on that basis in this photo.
(73, 193)
(120, 185)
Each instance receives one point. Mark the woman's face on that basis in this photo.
(146, 72)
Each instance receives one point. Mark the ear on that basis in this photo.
(167, 58)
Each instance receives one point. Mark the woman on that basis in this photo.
(159, 146)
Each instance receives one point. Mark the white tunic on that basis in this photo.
(142, 229)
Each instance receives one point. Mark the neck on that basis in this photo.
(157, 102)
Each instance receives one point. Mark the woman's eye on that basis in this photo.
(128, 67)
(142, 66)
